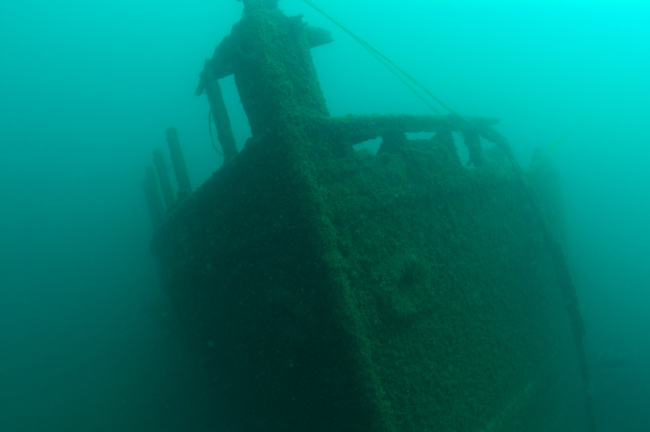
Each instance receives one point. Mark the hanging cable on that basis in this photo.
(385, 61)
(210, 129)
(405, 82)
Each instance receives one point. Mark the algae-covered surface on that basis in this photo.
(329, 290)
(394, 292)
(457, 309)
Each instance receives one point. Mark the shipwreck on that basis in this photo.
(333, 290)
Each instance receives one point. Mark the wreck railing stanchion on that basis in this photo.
(163, 178)
(210, 83)
(154, 201)
(352, 129)
(178, 161)
(473, 143)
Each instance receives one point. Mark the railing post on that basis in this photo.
(178, 161)
(154, 202)
(219, 113)
(163, 178)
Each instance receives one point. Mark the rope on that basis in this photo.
(386, 62)
(210, 129)
(405, 82)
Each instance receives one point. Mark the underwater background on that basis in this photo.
(87, 90)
